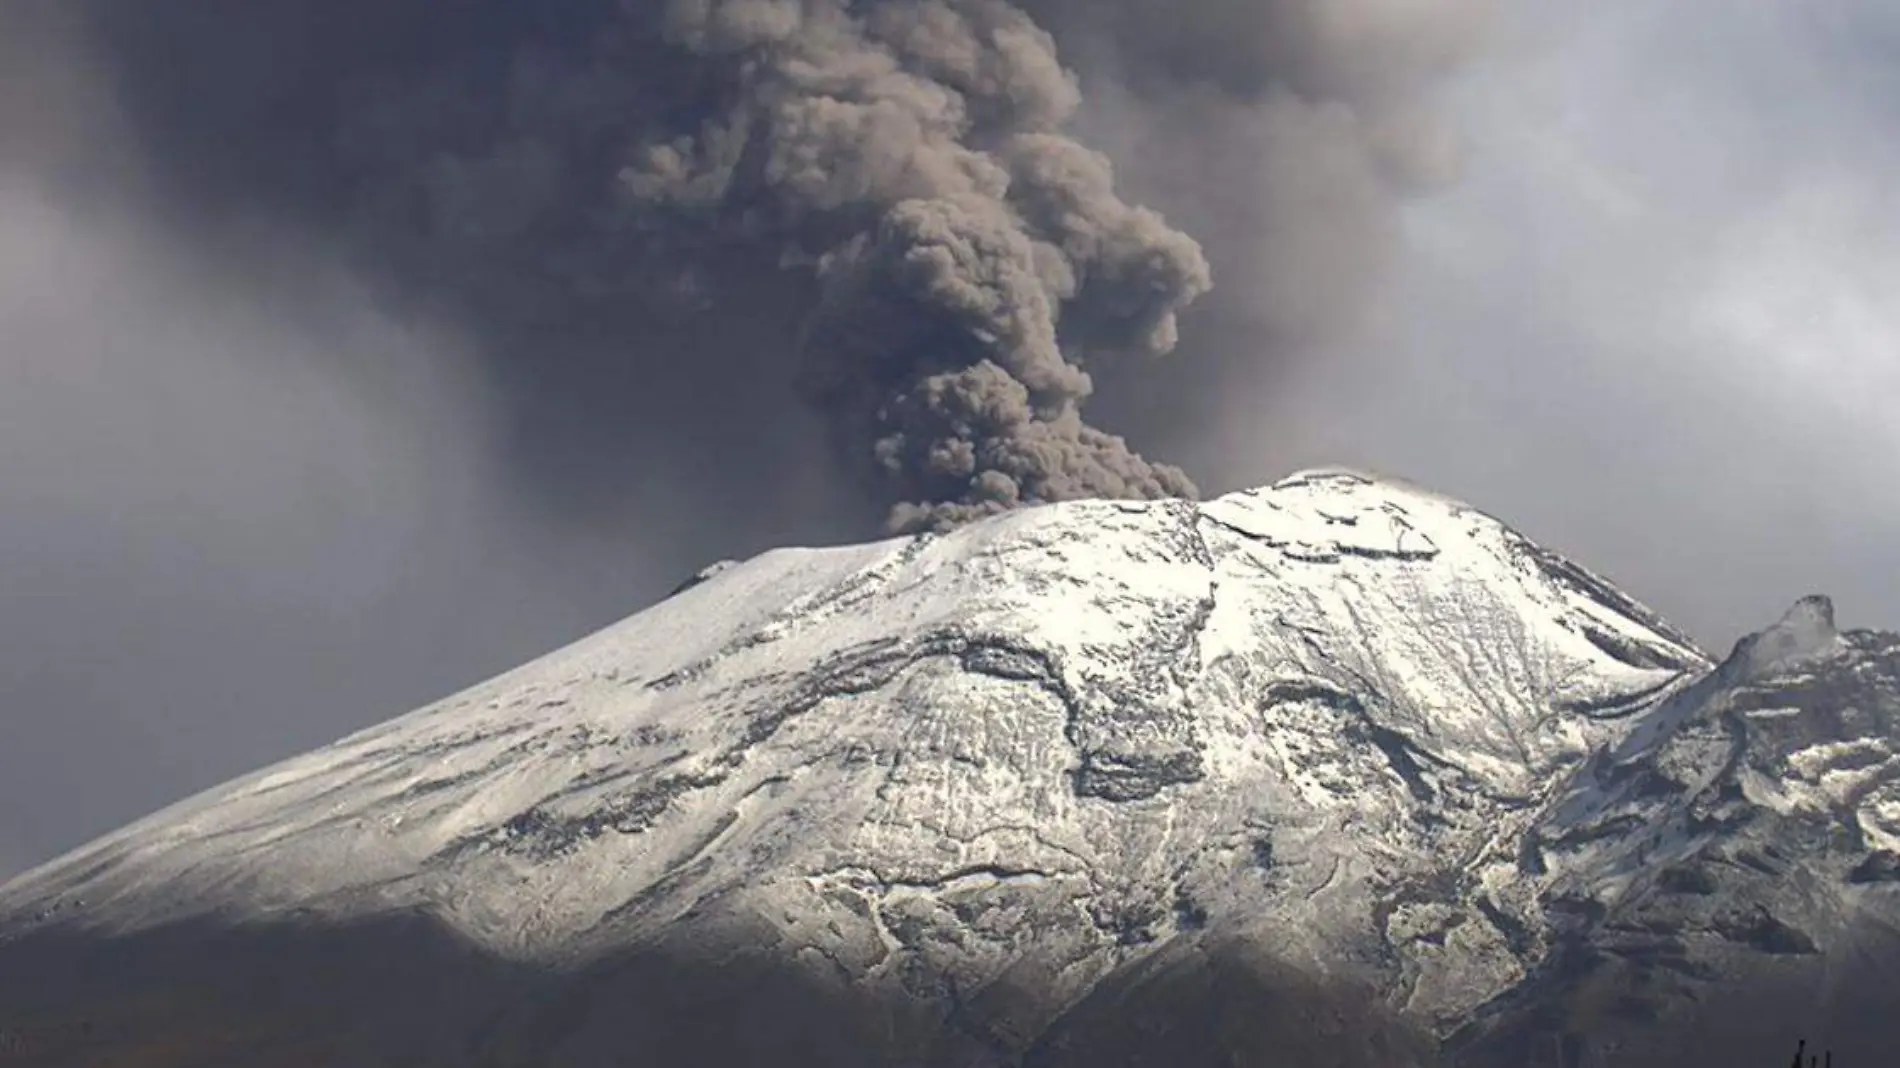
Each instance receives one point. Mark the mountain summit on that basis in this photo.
(1338, 769)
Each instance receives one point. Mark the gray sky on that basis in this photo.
(1654, 325)
(255, 500)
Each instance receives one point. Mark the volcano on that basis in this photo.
(1338, 771)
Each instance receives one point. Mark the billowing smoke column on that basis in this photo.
(970, 254)
(1372, 66)
(894, 186)
(908, 156)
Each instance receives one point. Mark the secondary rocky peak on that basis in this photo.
(1726, 873)
(1805, 632)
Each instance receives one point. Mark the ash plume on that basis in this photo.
(968, 258)
(898, 186)
(1374, 65)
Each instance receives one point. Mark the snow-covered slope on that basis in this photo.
(1729, 873)
(997, 767)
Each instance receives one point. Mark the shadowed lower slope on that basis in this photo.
(407, 992)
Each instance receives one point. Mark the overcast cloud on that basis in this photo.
(1654, 325)
(1618, 272)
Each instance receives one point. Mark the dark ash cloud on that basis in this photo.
(903, 165)
(901, 173)
(911, 153)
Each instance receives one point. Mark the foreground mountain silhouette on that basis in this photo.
(1336, 772)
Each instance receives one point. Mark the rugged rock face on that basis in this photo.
(1726, 875)
(1337, 769)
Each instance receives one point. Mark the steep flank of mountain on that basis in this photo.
(1730, 873)
(1104, 782)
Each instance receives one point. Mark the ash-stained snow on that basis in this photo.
(1324, 714)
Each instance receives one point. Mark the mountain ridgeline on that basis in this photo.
(1333, 772)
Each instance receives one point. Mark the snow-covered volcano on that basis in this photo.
(1361, 742)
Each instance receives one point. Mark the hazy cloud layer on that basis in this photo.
(905, 171)
(1653, 323)
(893, 191)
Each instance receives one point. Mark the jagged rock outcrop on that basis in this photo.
(1727, 872)
(1338, 767)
